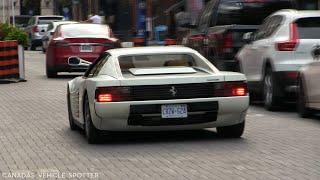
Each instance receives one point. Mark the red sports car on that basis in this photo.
(87, 41)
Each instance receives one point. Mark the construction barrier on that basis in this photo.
(11, 61)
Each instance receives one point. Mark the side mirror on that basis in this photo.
(247, 37)
(76, 61)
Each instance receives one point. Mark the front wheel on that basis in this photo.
(234, 131)
(303, 110)
(92, 134)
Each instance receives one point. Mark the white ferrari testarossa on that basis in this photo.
(155, 89)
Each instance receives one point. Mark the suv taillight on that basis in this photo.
(292, 43)
(227, 43)
(35, 29)
(112, 94)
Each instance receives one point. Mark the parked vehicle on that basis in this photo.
(154, 89)
(275, 53)
(21, 21)
(87, 41)
(218, 35)
(48, 34)
(37, 26)
(309, 86)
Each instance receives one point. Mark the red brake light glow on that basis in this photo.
(235, 89)
(104, 98)
(239, 91)
(293, 42)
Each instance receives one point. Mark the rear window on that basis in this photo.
(47, 20)
(249, 11)
(85, 30)
(156, 60)
(309, 28)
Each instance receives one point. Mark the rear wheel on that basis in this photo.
(33, 47)
(303, 110)
(269, 96)
(92, 134)
(73, 126)
(234, 131)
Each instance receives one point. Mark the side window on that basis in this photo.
(95, 68)
(273, 26)
(50, 26)
(268, 27)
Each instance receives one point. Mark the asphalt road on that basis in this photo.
(36, 142)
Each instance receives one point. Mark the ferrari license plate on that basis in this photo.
(86, 48)
(174, 111)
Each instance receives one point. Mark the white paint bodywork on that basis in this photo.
(310, 76)
(254, 56)
(113, 116)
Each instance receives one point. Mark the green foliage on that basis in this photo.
(8, 32)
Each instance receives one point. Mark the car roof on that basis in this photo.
(292, 13)
(150, 50)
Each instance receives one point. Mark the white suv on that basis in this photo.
(275, 53)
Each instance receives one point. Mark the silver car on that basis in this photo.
(37, 26)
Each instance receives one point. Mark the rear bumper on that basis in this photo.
(287, 84)
(60, 63)
(146, 115)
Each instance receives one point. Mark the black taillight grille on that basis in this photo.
(175, 91)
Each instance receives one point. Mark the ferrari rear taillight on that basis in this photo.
(228, 89)
(292, 43)
(104, 97)
(112, 94)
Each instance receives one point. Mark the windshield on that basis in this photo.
(155, 61)
(47, 20)
(309, 28)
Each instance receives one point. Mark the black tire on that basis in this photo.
(302, 108)
(234, 131)
(73, 126)
(269, 91)
(33, 47)
(51, 73)
(43, 49)
(92, 134)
